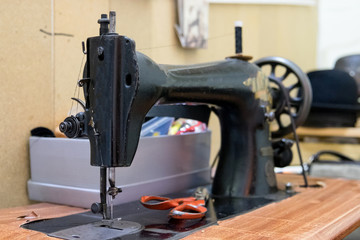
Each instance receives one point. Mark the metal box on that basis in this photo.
(61, 171)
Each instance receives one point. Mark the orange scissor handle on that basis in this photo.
(189, 210)
(163, 203)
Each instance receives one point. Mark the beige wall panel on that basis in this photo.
(78, 19)
(291, 33)
(288, 31)
(25, 91)
(269, 30)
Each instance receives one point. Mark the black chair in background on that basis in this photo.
(335, 103)
(351, 65)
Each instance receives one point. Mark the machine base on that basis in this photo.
(155, 224)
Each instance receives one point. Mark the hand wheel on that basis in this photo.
(286, 77)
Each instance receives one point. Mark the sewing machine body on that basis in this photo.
(121, 86)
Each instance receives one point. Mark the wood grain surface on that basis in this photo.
(328, 212)
(329, 132)
(12, 218)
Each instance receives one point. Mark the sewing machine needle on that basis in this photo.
(112, 185)
(103, 191)
(111, 209)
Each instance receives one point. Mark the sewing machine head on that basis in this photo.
(122, 85)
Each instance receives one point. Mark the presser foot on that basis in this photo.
(104, 229)
(106, 208)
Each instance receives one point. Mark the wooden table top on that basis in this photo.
(329, 212)
(344, 132)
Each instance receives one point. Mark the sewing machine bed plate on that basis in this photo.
(61, 171)
(155, 223)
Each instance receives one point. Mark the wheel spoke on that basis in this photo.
(272, 73)
(293, 86)
(286, 74)
(296, 101)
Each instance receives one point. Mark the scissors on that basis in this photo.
(182, 208)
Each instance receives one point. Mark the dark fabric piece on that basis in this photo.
(41, 132)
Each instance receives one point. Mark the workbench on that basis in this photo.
(341, 139)
(329, 211)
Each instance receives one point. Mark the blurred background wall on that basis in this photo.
(40, 57)
(338, 35)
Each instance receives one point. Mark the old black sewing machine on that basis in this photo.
(121, 87)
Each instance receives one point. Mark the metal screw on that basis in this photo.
(270, 116)
(288, 187)
(96, 208)
(113, 191)
(100, 52)
(64, 126)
